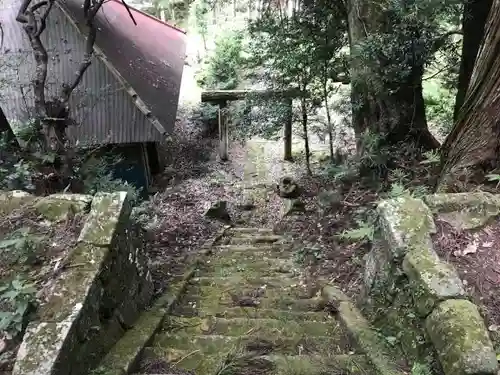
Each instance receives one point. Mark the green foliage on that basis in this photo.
(20, 246)
(221, 69)
(199, 12)
(96, 176)
(439, 104)
(420, 369)
(364, 232)
(20, 168)
(342, 171)
(494, 177)
(399, 190)
(410, 37)
(374, 156)
(16, 297)
(431, 157)
(305, 253)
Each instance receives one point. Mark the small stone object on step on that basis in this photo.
(218, 211)
(288, 188)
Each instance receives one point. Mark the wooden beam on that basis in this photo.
(217, 96)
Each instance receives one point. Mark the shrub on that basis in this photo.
(221, 70)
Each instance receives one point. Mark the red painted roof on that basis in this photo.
(148, 15)
(149, 56)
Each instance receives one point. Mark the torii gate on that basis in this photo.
(221, 97)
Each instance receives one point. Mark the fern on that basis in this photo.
(431, 157)
(365, 231)
(493, 177)
(397, 190)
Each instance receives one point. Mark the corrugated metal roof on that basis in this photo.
(106, 104)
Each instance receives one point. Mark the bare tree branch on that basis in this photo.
(90, 10)
(26, 16)
(129, 12)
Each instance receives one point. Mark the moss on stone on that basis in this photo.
(405, 223)
(400, 321)
(367, 339)
(60, 207)
(40, 348)
(465, 210)
(312, 365)
(431, 280)
(459, 335)
(72, 290)
(108, 210)
(13, 200)
(269, 328)
(252, 313)
(123, 356)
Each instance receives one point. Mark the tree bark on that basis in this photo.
(287, 131)
(303, 107)
(473, 21)
(398, 112)
(473, 146)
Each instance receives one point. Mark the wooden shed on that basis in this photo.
(128, 98)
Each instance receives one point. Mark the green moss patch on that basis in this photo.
(268, 328)
(465, 210)
(459, 335)
(406, 223)
(431, 279)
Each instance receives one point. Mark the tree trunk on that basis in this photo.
(303, 107)
(396, 112)
(328, 117)
(473, 146)
(287, 136)
(473, 21)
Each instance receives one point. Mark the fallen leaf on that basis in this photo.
(3, 345)
(469, 249)
(493, 328)
(487, 244)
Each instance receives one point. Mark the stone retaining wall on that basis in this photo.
(416, 298)
(99, 295)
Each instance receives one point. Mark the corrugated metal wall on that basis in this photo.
(101, 106)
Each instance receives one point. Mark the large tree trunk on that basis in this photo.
(473, 146)
(397, 112)
(473, 21)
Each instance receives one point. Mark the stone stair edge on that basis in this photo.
(122, 358)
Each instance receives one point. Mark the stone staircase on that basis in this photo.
(247, 312)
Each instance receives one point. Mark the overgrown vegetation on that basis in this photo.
(398, 64)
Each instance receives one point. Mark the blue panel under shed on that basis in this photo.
(133, 167)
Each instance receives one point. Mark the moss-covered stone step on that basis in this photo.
(256, 239)
(343, 364)
(213, 344)
(243, 282)
(253, 313)
(219, 301)
(222, 292)
(238, 361)
(248, 264)
(245, 230)
(271, 249)
(244, 326)
(249, 230)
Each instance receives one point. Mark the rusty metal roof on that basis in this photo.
(129, 93)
